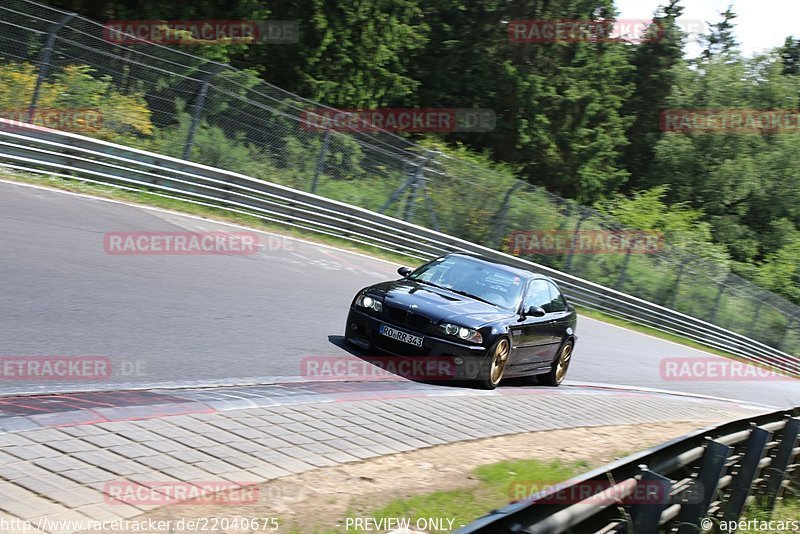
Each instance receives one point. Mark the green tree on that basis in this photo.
(720, 40)
(350, 54)
(790, 55)
(559, 104)
(655, 69)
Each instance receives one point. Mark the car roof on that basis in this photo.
(524, 273)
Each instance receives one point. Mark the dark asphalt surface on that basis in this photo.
(206, 319)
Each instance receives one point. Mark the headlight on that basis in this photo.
(461, 332)
(369, 302)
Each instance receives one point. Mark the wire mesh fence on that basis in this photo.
(168, 101)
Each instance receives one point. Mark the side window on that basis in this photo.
(557, 302)
(538, 294)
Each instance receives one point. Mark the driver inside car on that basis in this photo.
(464, 280)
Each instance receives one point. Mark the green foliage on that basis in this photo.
(498, 484)
(780, 272)
(682, 226)
(351, 54)
(123, 115)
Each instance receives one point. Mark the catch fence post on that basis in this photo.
(197, 110)
(500, 216)
(320, 160)
(44, 66)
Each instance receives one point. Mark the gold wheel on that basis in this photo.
(563, 362)
(499, 360)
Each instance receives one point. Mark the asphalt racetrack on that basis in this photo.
(170, 320)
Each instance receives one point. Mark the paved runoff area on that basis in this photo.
(95, 461)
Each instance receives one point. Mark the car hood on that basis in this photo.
(439, 304)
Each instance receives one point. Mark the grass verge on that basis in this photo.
(497, 485)
(784, 518)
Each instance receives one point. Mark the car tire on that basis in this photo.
(495, 364)
(559, 367)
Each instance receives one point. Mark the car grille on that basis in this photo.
(403, 317)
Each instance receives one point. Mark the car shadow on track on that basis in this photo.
(385, 363)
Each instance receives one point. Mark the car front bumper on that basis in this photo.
(362, 330)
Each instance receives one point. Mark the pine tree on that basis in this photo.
(654, 77)
(720, 40)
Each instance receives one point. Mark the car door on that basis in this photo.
(558, 315)
(533, 336)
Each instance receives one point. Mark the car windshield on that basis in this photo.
(464, 275)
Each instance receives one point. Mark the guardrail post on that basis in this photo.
(646, 515)
(320, 160)
(776, 472)
(712, 467)
(44, 67)
(748, 468)
(500, 216)
(197, 110)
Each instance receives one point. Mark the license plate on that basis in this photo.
(399, 335)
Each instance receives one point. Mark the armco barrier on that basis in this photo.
(75, 157)
(688, 485)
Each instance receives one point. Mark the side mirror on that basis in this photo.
(535, 311)
(404, 271)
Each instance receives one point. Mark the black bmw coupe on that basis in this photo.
(492, 320)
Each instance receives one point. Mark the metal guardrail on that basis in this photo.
(688, 485)
(75, 157)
